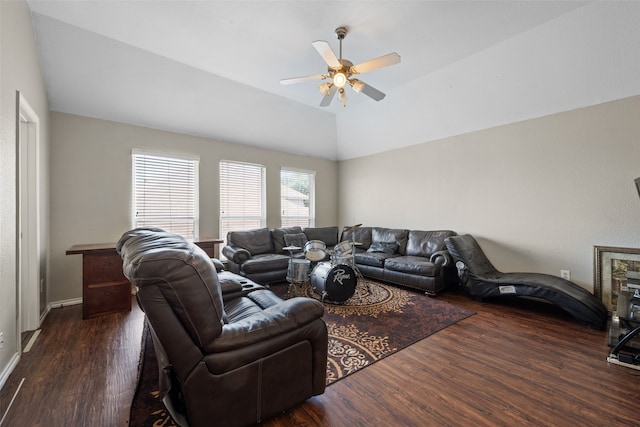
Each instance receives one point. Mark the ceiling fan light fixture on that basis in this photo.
(342, 97)
(357, 85)
(340, 79)
(325, 89)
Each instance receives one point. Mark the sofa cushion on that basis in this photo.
(278, 237)
(390, 235)
(387, 248)
(412, 265)
(297, 239)
(374, 259)
(361, 235)
(265, 262)
(256, 241)
(328, 235)
(425, 243)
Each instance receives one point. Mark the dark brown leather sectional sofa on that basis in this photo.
(412, 258)
(260, 255)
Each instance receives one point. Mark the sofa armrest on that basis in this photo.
(281, 318)
(229, 283)
(441, 258)
(217, 264)
(236, 254)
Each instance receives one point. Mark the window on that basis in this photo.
(242, 197)
(165, 193)
(297, 190)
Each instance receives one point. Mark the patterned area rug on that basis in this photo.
(377, 321)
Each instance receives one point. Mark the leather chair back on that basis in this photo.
(175, 275)
(467, 250)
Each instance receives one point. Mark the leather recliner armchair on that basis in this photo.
(228, 362)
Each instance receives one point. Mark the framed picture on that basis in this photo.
(615, 270)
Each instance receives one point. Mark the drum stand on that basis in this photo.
(291, 274)
(359, 276)
(293, 284)
(352, 230)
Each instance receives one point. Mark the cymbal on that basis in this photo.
(292, 248)
(353, 227)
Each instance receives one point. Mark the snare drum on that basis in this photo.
(335, 283)
(298, 271)
(314, 250)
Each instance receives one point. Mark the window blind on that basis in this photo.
(165, 193)
(297, 190)
(242, 197)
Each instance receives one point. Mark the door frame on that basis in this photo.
(28, 217)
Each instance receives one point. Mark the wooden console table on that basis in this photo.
(105, 289)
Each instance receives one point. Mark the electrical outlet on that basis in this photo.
(565, 274)
(1, 341)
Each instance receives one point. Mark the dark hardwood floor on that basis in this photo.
(524, 363)
(78, 372)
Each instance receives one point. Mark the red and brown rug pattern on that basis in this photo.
(377, 321)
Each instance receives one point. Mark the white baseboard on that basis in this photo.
(64, 303)
(4, 375)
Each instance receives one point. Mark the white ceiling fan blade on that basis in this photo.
(326, 99)
(370, 91)
(302, 79)
(327, 54)
(374, 64)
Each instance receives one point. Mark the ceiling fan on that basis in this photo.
(341, 72)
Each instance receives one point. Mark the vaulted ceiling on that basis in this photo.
(212, 68)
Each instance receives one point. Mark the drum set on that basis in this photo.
(334, 280)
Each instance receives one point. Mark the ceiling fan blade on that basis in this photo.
(327, 54)
(374, 64)
(368, 90)
(326, 99)
(302, 79)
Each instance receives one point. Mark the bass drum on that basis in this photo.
(335, 283)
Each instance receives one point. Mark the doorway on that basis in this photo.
(28, 218)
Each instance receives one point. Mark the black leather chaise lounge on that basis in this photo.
(482, 280)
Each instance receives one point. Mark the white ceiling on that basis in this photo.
(212, 68)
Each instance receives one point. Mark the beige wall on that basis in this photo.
(538, 195)
(19, 71)
(91, 185)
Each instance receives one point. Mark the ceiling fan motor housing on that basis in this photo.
(341, 32)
